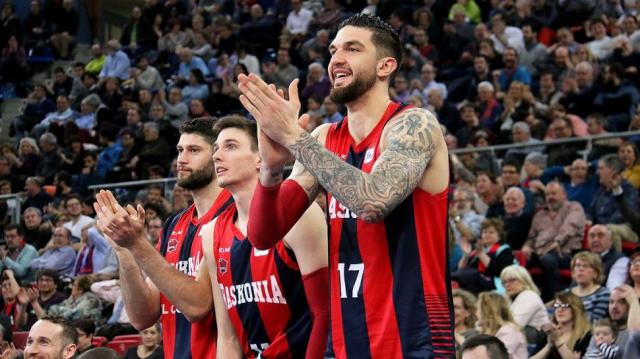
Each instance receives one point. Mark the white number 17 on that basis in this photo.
(359, 267)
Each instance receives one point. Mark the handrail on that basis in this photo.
(546, 143)
(131, 183)
(15, 210)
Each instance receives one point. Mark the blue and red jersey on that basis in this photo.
(181, 246)
(390, 291)
(263, 293)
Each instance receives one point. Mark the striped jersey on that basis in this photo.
(181, 246)
(263, 293)
(390, 291)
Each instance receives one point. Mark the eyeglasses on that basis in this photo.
(508, 280)
(582, 265)
(635, 262)
(561, 305)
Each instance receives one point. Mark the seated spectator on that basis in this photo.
(117, 62)
(630, 156)
(330, 110)
(526, 306)
(109, 291)
(149, 347)
(512, 71)
(318, 84)
(155, 195)
(77, 221)
(36, 231)
(11, 307)
(38, 105)
(109, 92)
(94, 251)
(587, 274)
(7, 173)
(36, 196)
(521, 134)
(624, 312)
(197, 87)
(470, 124)
(517, 103)
(110, 153)
(85, 329)
(63, 114)
(485, 347)
(428, 79)
(495, 318)
(57, 254)
(534, 169)
(86, 119)
(18, 254)
(562, 154)
(580, 185)
(597, 126)
(490, 192)
(571, 330)
(548, 94)
(604, 207)
(138, 36)
(634, 272)
(155, 150)
(488, 106)
(479, 269)
(605, 334)
(82, 304)
(98, 58)
(556, 231)
(28, 158)
(517, 220)
(445, 111)
(618, 97)
(13, 63)
(62, 83)
(614, 262)
(463, 218)
(189, 62)
(45, 294)
(176, 109)
(602, 45)
(146, 76)
(464, 307)
(50, 160)
(65, 22)
(510, 177)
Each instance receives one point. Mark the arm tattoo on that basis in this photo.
(409, 149)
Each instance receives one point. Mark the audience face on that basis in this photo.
(618, 306)
(627, 155)
(634, 270)
(428, 73)
(583, 273)
(510, 58)
(31, 219)
(512, 286)
(60, 237)
(514, 201)
(562, 312)
(150, 337)
(45, 341)
(599, 239)
(606, 174)
(519, 135)
(603, 334)
(62, 103)
(46, 284)
(460, 311)
(483, 184)
(12, 238)
(561, 128)
(84, 339)
(510, 176)
(480, 65)
(578, 171)
(7, 293)
(555, 196)
(462, 203)
(489, 236)
(153, 229)
(74, 207)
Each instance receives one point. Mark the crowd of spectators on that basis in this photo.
(543, 235)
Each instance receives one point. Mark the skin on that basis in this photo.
(412, 145)
(45, 342)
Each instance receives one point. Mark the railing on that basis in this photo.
(166, 181)
(14, 203)
(589, 139)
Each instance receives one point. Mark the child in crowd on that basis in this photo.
(604, 335)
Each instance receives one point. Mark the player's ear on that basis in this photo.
(386, 67)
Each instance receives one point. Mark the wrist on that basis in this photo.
(271, 175)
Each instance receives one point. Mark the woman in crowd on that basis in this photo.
(149, 347)
(634, 272)
(28, 157)
(464, 306)
(628, 153)
(480, 268)
(526, 305)
(82, 304)
(587, 273)
(196, 88)
(570, 332)
(495, 318)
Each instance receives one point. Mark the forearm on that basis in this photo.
(189, 296)
(633, 321)
(465, 231)
(370, 196)
(37, 308)
(141, 305)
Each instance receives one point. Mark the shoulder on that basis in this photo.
(415, 122)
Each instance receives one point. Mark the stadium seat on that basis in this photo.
(20, 339)
(121, 346)
(126, 337)
(98, 341)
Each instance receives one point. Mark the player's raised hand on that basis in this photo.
(125, 227)
(277, 116)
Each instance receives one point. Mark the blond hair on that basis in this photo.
(594, 261)
(469, 301)
(520, 274)
(494, 312)
(580, 319)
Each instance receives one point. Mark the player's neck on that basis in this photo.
(242, 194)
(205, 197)
(365, 112)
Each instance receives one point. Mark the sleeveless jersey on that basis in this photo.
(181, 246)
(263, 293)
(390, 287)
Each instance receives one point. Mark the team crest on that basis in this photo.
(172, 245)
(222, 265)
(368, 156)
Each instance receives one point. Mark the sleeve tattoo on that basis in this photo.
(409, 149)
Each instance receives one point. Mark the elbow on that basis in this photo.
(143, 323)
(195, 314)
(372, 213)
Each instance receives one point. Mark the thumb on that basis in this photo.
(141, 212)
(293, 92)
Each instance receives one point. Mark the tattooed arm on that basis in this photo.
(407, 147)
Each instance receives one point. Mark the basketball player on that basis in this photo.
(385, 170)
(177, 289)
(260, 294)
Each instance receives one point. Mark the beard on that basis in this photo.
(198, 178)
(354, 90)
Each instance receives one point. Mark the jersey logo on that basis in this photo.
(368, 156)
(259, 253)
(342, 156)
(172, 245)
(223, 265)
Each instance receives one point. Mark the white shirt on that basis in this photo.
(528, 309)
(298, 23)
(514, 39)
(76, 228)
(601, 49)
(618, 273)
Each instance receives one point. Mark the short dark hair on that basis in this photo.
(100, 353)
(12, 226)
(384, 37)
(614, 162)
(84, 283)
(69, 334)
(239, 122)
(495, 347)
(86, 325)
(65, 177)
(202, 126)
(513, 163)
(71, 196)
(51, 273)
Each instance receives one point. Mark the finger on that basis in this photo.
(293, 92)
(132, 211)
(281, 93)
(141, 213)
(251, 96)
(102, 203)
(265, 92)
(253, 110)
(116, 207)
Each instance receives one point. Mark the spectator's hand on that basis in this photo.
(125, 227)
(9, 351)
(536, 186)
(465, 246)
(527, 251)
(628, 293)
(33, 294)
(3, 252)
(23, 297)
(9, 273)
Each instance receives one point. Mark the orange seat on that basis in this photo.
(126, 337)
(98, 341)
(20, 339)
(121, 346)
